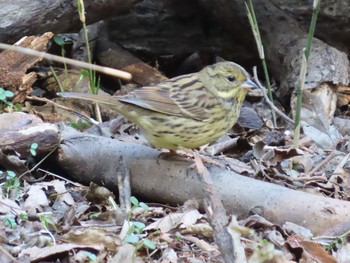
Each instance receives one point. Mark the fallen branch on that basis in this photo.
(89, 158)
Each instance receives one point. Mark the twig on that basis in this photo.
(123, 178)
(324, 162)
(217, 217)
(273, 107)
(39, 163)
(60, 177)
(221, 146)
(34, 98)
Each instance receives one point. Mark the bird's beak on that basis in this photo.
(249, 84)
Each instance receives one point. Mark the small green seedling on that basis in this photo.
(33, 148)
(12, 182)
(80, 125)
(10, 222)
(4, 95)
(135, 233)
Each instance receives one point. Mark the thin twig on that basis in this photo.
(324, 162)
(60, 177)
(38, 164)
(273, 107)
(81, 115)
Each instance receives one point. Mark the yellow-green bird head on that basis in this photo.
(227, 80)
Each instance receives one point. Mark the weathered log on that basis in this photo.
(171, 181)
(112, 55)
(15, 74)
(88, 158)
(169, 31)
(19, 18)
(332, 23)
(18, 131)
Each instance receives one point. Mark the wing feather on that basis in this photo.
(184, 96)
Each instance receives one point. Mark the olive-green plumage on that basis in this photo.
(187, 111)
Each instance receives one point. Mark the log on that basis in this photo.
(18, 131)
(25, 17)
(332, 22)
(112, 55)
(89, 158)
(172, 182)
(169, 31)
(16, 72)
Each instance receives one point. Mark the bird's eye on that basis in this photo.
(231, 78)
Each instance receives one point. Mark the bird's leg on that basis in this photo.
(173, 153)
(199, 159)
(202, 157)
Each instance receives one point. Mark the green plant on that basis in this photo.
(135, 232)
(12, 182)
(59, 40)
(10, 222)
(33, 148)
(62, 42)
(4, 96)
(137, 204)
(334, 241)
(94, 215)
(45, 219)
(80, 125)
(94, 81)
(303, 71)
(23, 216)
(255, 28)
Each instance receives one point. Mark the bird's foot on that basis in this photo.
(173, 153)
(199, 159)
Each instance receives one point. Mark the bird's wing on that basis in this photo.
(178, 100)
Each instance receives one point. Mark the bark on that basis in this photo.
(15, 74)
(332, 22)
(112, 55)
(18, 131)
(25, 17)
(169, 31)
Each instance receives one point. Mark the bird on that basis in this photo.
(184, 112)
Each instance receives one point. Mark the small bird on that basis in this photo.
(184, 112)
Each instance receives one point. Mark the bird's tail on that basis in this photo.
(109, 101)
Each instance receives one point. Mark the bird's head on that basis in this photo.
(227, 80)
